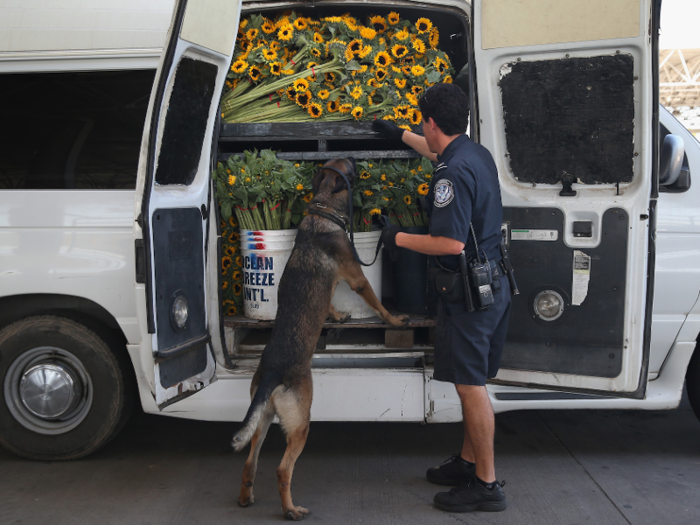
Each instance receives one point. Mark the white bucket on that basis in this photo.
(347, 301)
(265, 254)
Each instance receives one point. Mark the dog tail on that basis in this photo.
(267, 385)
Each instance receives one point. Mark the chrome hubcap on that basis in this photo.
(49, 390)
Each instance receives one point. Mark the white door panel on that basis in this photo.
(576, 105)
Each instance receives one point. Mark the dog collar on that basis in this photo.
(333, 217)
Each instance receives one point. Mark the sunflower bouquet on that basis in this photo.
(263, 191)
(407, 182)
(299, 69)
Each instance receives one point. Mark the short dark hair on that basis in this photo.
(448, 106)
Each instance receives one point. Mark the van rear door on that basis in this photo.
(173, 198)
(567, 102)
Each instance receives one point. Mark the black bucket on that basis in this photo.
(410, 276)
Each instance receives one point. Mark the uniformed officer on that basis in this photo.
(464, 191)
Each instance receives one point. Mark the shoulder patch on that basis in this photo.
(444, 193)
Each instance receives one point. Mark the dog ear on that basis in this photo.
(316, 182)
(340, 184)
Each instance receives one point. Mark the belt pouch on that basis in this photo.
(448, 284)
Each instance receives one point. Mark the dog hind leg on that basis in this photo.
(294, 410)
(246, 498)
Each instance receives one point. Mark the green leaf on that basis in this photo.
(226, 210)
(433, 76)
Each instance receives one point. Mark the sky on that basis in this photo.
(680, 24)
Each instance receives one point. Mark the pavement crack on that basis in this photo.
(590, 476)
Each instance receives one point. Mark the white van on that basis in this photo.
(109, 278)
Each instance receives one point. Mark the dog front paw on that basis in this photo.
(398, 321)
(246, 500)
(296, 513)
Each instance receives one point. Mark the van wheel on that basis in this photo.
(64, 393)
(692, 382)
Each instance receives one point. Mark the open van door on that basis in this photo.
(173, 198)
(567, 103)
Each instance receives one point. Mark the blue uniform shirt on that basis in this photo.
(465, 189)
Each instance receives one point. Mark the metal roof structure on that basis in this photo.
(679, 77)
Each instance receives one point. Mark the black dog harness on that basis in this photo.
(341, 221)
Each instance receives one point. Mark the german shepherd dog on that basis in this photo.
(282, 385)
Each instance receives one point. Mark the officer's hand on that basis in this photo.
(388, 237)
(390, 130)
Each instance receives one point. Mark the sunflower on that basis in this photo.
(382, 59)
(275, 45)
(381, 74)
(307, 197)
(291, 93)
(251, 34)
(346, 108)
(318, 38)
(357, 112)
(224, 285)
(275, 68)
(268, 27)
(368, 193)
(315, 52)
(330, 77)
(286, 32)
(231, 180)
(412, 99)
(365, 175)
(402, 35)
(416, 90)
(368, 33)
(440, 65)
(417, 70)
(239, 261)
(301, 85)
(399, 50)
(303, 99)
(315, 110)
(357, 92)
(407, 200)
(434, 38)
(419, 46)
(237, 288)
(333, 106)
(349, 55)
(300, 24)
(398, 94)
(447, 79)
(243, 24)
(239, 66)
(254, 73)
(365, 51)
(400, 82)
(323, 94)
(379, 23)
(225, 263)
(375, 211)
(423, 25)
(231, 310)
(416, 117)
(372, 82)
(233, 238)
(236, 276)
(269, 54)
(393, 18)
(401, 111)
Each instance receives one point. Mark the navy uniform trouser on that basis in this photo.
(468, 346)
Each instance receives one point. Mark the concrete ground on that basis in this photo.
(561, 467)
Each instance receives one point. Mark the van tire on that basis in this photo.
(692, 382)
(82, 404)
